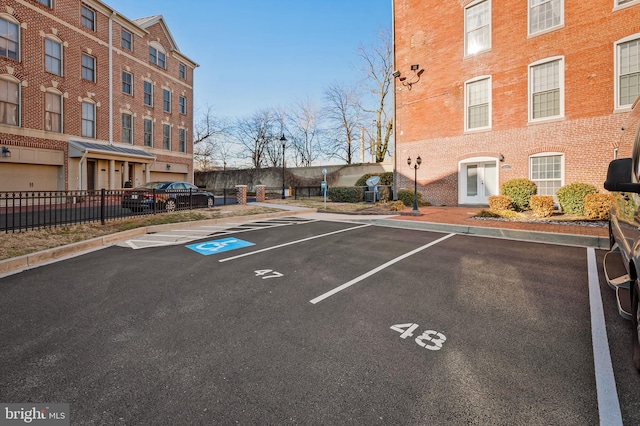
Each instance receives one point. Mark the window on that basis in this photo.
(127, 128)
(88, 68)
(166, 136)
(9, 102)
(182, 71)
(182, 105)
(9, 39)
(545, 15)
(127, 40)
(47, 3)
(620, 2)
(628, 70)
(88, 120)
(88, 18)
(157, 57)
(166, 100)
(546, 171)
(148, 93)
(52, 56)
(478, 100)
(477, 21)
(182, 138)
(53, 112)
(148, 132)
(127, 83)
(546, 90)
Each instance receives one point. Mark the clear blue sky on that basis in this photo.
(255, 54)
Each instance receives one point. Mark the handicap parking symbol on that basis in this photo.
(219, 246)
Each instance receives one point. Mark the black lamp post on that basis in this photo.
(284, 141)
(416, 166)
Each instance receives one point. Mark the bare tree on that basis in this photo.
(378, 65)
(207, 130)
(257, 135)
(304, 131)
(343, 114)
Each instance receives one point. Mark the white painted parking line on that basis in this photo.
(608, 402)
(291, 243)
(378, 269)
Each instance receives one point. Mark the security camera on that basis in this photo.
(396, 74)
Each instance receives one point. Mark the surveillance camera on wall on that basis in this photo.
(396, 74)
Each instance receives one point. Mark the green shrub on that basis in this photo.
(597, 206)
(406, 196)
(500, 202)
(346, 194)
(571, 197)
(386, 178)
(520, 191)
(542, 205)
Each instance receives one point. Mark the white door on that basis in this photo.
(480, 181)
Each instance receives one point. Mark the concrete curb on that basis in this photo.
(512, 234)
(32, 260)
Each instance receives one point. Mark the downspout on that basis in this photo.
(84, 157)
(395, 123)
(111, 77)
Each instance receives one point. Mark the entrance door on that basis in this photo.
(480, 182)
(91, 175)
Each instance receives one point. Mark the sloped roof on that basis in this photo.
(152, 20)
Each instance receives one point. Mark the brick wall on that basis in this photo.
(430, 116)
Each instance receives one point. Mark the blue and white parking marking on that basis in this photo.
(219, 246)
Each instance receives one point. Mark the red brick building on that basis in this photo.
(90, 99)
(509, 89)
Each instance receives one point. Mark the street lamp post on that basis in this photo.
(416, 166)
(284, 142)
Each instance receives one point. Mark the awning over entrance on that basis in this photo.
(79, 149)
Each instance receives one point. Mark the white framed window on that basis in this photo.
(546, 89)
(627, 69)
(52, 56)
(621, 2)
(48, 3)
(545, 15)
(166, 100)
(477, 27)
(148, 93)
(182, 71)
(9, 101)
(88, 119)
(148, 132)
(88, 68)
(182, 140)
(127, 128)
(88, 18)
(166, 136)
(477, 96)
(182, 105)
(53, 112)
(127, 83)
(157, 56)
(9, 39)
(126, 40)
(547, 171)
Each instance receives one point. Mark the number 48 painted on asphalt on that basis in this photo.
(436, 339)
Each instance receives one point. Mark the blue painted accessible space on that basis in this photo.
(219, 246)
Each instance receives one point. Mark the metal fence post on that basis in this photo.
(102, 206)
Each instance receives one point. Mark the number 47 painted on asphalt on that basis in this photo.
(436, 339)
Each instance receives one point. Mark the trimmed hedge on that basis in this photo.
(571, 197)
(499, 203)
(542, 205)
(597, 206)
(386, 178)
(346, 194)
(406, 196)
(520, 191)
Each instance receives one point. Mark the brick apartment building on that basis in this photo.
(90, 99)
(510, 89)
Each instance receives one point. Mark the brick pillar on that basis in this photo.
(261, 193)
(241, 194)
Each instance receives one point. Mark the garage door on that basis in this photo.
(165, 177)
(29, 177)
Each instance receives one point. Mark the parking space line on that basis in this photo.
(608, 402)
(292, 242)
(378, 269)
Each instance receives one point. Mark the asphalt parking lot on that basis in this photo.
(299, 321)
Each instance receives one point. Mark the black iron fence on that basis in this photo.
(20, 211)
